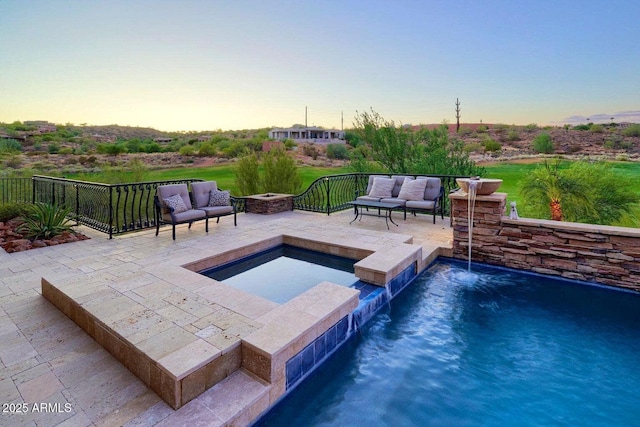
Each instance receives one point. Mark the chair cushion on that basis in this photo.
(219, 198)
(191, 214)
(398, 184)
(432, 189)
(370, 182)
(217, 210)
(427, 205)
(413, 189)
(201, 192)
(382, 187)
(166, 191)
(401, 202)
(176, 203)
(368, 199)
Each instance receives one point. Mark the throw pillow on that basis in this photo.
(219, 198)
(176, 203)
(382, 187)
(412, 189)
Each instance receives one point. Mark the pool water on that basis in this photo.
(281, 273)
(490, 347)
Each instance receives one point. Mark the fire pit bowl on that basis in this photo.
(485, 186)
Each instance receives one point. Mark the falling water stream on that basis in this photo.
(471, 204)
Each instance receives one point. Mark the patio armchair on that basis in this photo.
(216, 203)
(173, 206)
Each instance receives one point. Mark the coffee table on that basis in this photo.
(361, 205)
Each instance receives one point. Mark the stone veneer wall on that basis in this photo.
(588, 252)
(268, 205)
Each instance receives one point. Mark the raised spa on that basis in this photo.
(284, 272)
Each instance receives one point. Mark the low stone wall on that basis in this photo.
(588, 252)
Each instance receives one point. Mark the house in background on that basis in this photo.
(308, 134)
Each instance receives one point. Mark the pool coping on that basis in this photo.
(179, 361)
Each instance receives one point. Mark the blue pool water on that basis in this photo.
(491, 347)
(284, 272)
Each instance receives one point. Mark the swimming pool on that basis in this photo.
(283, 272)
(491, 347)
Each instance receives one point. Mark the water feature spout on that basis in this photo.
(471, 203)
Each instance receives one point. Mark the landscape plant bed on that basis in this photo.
(13, 241)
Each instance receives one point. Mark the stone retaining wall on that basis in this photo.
(588, 252)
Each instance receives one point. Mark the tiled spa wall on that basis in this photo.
(372, 299)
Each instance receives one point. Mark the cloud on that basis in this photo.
(622, 116)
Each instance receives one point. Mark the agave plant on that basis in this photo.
(44, 221)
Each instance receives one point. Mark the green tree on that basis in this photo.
(400, 150)
(391, 146)
(281, 173)
(580, 192)
(247, 174)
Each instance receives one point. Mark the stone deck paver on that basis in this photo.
(46, 358)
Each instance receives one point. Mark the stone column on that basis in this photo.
(488, 212)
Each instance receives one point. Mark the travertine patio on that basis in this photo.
(46, 357)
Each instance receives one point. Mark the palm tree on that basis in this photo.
(550, 188)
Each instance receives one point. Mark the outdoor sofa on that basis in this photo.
(173, 205)
(419, 194)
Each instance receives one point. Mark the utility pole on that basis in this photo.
(457, 115)
(342, 120)
(305, 116)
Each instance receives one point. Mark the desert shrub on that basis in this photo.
(281, 174)
(482, 129)
(111, 149)
(337, 151)
(289, 143)
(581, 127)
(44, 221)
(248, 175)
(491, 145)
(151, 147)
(513, 135)
(633, 130)
(234, 149)
(206, 149)
(10, 146)
(311, 151)
(574, 148)
(13, 161)
(465, 131)
(187, 150)
(473, 147)
(626, 145)
(596, 128)
(543, 143)
(70, 161)
(352, 138)
(53, 148)
(531, 127)
(12, 210)
(66, 151)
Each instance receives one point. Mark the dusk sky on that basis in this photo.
(243, 64)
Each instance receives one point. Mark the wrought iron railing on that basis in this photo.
(121, 208)
(110, 208)
(15, 190)
(333, 193)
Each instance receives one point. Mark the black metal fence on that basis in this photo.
(121, 208)
(15, 190)
(110, 208)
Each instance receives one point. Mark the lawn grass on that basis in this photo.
(224, 175)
